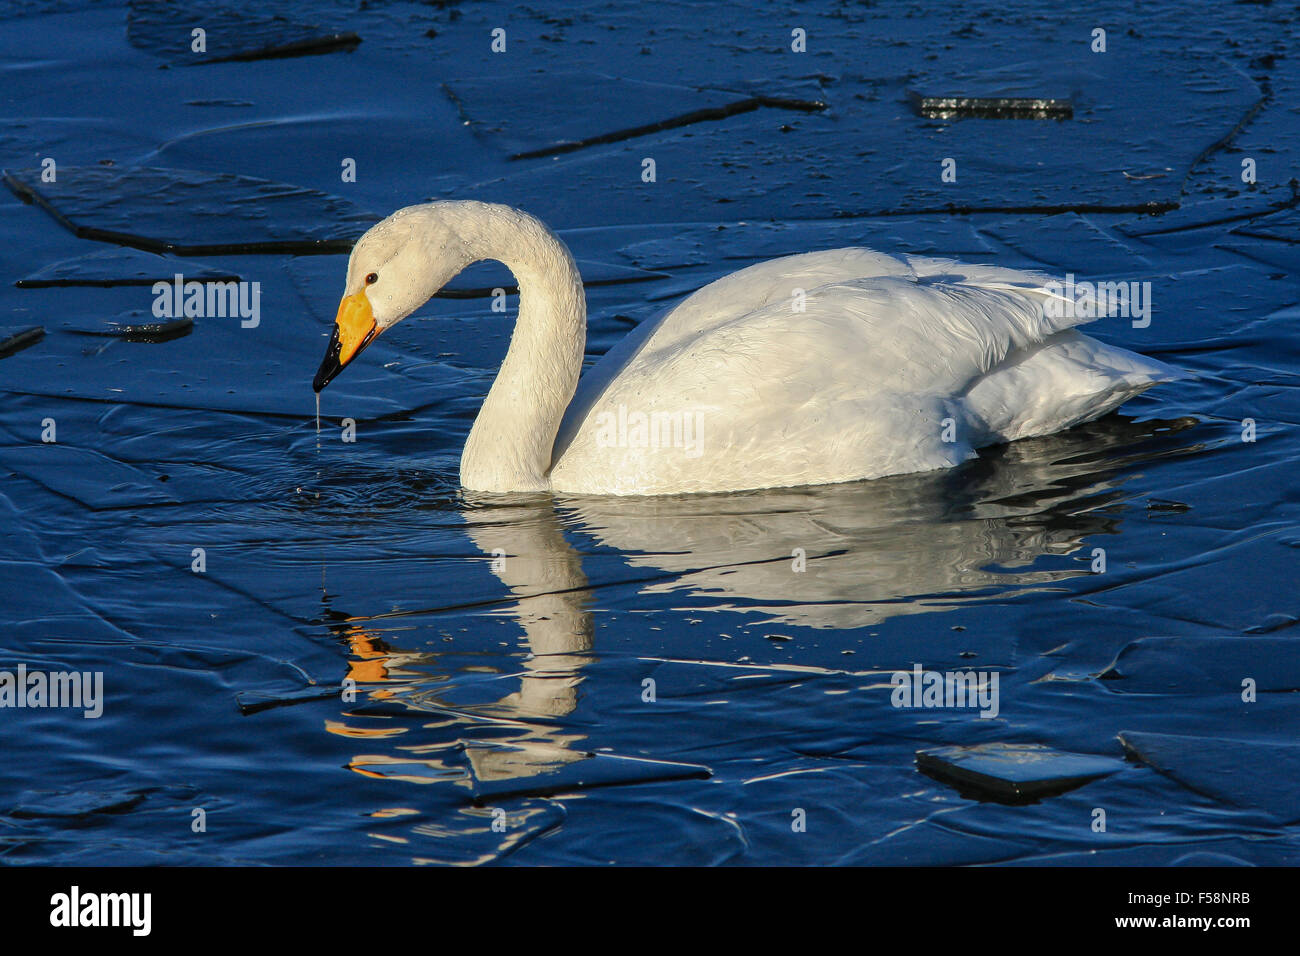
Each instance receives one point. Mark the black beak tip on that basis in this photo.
(330, 367)
(325, 375)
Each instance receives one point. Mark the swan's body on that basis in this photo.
(811, 369)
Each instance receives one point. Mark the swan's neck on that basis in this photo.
(510, 446)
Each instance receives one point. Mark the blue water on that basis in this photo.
(644, 681)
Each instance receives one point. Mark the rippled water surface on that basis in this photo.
(556, 680)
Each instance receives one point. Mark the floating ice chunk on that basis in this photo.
(530, 119)
(540, 769)
(192, 212)
(120, 267)
(990, 107)
(75, 803)
(1013, 773)
(13, 342)
(1205, 665)
(1252, 774)
(161, 28)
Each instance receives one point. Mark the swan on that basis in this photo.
(816, 368)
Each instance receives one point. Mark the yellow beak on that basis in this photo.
(354, 329)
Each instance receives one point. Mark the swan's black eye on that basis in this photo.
(372, 278)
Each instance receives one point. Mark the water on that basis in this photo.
(339, 657)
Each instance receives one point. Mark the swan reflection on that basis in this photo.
(834, 556)
(852, 555)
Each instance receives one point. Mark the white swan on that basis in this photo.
(816, 368)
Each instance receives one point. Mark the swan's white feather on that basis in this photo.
(893, 365)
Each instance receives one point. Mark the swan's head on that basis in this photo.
(393, 270)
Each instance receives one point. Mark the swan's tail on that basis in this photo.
(1067, 379)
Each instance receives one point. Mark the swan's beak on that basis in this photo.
(354, 329)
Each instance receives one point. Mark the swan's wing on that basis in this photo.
(768, 283)
(951, 271)
(723, 300)
(866, 380)
(1056, 382)
(900, 334)
(856, 378)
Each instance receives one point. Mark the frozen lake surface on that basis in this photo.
(651, 680)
